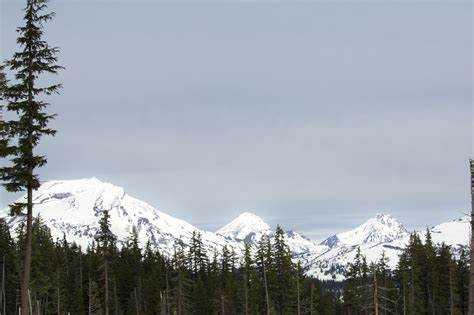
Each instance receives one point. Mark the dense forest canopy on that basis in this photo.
(135, 279)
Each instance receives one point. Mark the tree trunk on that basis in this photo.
(298, 286)
(451, 290)
(179, 292)
(58, 292)
(471, 272)
(106, 288)
(25, 307)
(266, 287)
(29, 303)
(2, 298)
(115, 297)
(163, 303)
(246, 294)
(136, 300)
(90, 295)
(376, 293)
(80, 271)
(168, 306)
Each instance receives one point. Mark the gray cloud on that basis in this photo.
(314, 115)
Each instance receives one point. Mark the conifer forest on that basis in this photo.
(105, 279)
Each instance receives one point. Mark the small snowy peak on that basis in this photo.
(454, 233)
(247, 227)
(295, 235)
(382, 228)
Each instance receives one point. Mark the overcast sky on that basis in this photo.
(314, 115)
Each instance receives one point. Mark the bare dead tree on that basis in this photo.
(471, 272)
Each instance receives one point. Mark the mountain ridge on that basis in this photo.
(74, 207)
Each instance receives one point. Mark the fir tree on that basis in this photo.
(106, 242)
(8, 271)
(20, 136)
(264, 264)
(462, 281)
(284, 274)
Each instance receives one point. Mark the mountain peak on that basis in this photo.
(380, 229)
(247, 226)
(384, 218)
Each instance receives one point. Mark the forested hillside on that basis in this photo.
(105, 279)
(108, 279)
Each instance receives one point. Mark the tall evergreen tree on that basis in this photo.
(264, 263)
(461, 272)
(21, 135)
(283, 289)
(106, 246)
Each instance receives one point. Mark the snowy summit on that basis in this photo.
(72, 208)
(246, 227)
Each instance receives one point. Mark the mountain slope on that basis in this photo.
(246, 227)
(73, 208)
(380, 235)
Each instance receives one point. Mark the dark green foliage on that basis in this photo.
(427, 280)
(283, 272)
(22, 97)
(145, 282)
(25, 100)
(67, 280)
(461, 280)
(8, 271)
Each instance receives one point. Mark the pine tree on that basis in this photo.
(106, 242)
(311, 298)
(21, 136)
(128, 275)
(181, 282)
(461, 271)
(284, 273)
(154, 281)
(8, 271)
(353, 287)
(430, 273)
(387, 292)
(264, 266)
(248, 277)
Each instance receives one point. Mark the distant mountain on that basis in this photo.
(73, 208)
(381, 229)
(380, 235)
(246, 227)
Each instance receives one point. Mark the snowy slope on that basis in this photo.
(74, 207)
(246, 227)
(381, 229)
(454, 233)
(380, 235)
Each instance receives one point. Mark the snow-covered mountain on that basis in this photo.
(73, 208)
(246, 227)
(381, 229)
(382, 234)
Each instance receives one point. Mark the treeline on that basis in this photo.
(108, 279)
(429, 279)
(128, 279)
